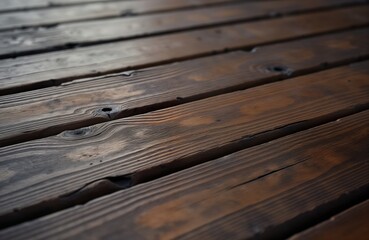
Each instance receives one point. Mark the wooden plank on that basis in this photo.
(53, 16)
(264, 191)
(65, 36)
(49, 111)
(16, 5)
(53, 68)
(143, 146)
(351, 224)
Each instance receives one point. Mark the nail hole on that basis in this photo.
(281, 69)
(76, 132)
(106, 109)
(277, 68)
(179, 98)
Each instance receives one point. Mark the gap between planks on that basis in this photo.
(34, 5)
(147, 146)
(47, 69)
(47, 18)
(350, 224)
(26, 42)
(70, 107)
(296, 180)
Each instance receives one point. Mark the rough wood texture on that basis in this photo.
(13, 5)
(64, 36)
(49, 111)
(52, 16)
(351, 224)
(50, 68)
(144, 145)
(255, 127)
(263, 191)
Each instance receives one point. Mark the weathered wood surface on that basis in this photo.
(142, 146)
(49, 111)
(264, 191)
(255, 127)
(16, 5)
(351, 224)
(52, 16)
(64, 36)
(54, 67)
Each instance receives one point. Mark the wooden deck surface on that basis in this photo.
(184, 119)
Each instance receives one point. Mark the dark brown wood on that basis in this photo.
(143, 146)
(52, 16)
(184, 119)
(49, 111)
(264, 191)
(351, 224)
(55, 67)
(64, 36)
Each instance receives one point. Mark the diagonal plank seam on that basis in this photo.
(129, 13)
(110, 184)
(319, 214)
(350, 223)
(52, 5)
(77, 128)
(325, 210)
(250, 48)
(79, 44)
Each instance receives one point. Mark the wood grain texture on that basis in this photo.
(63, 36)
(265, 190)
(350, 224)
(54, 16)
(147, 144)
(16, 5)
(49, 111)
(55, 67)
